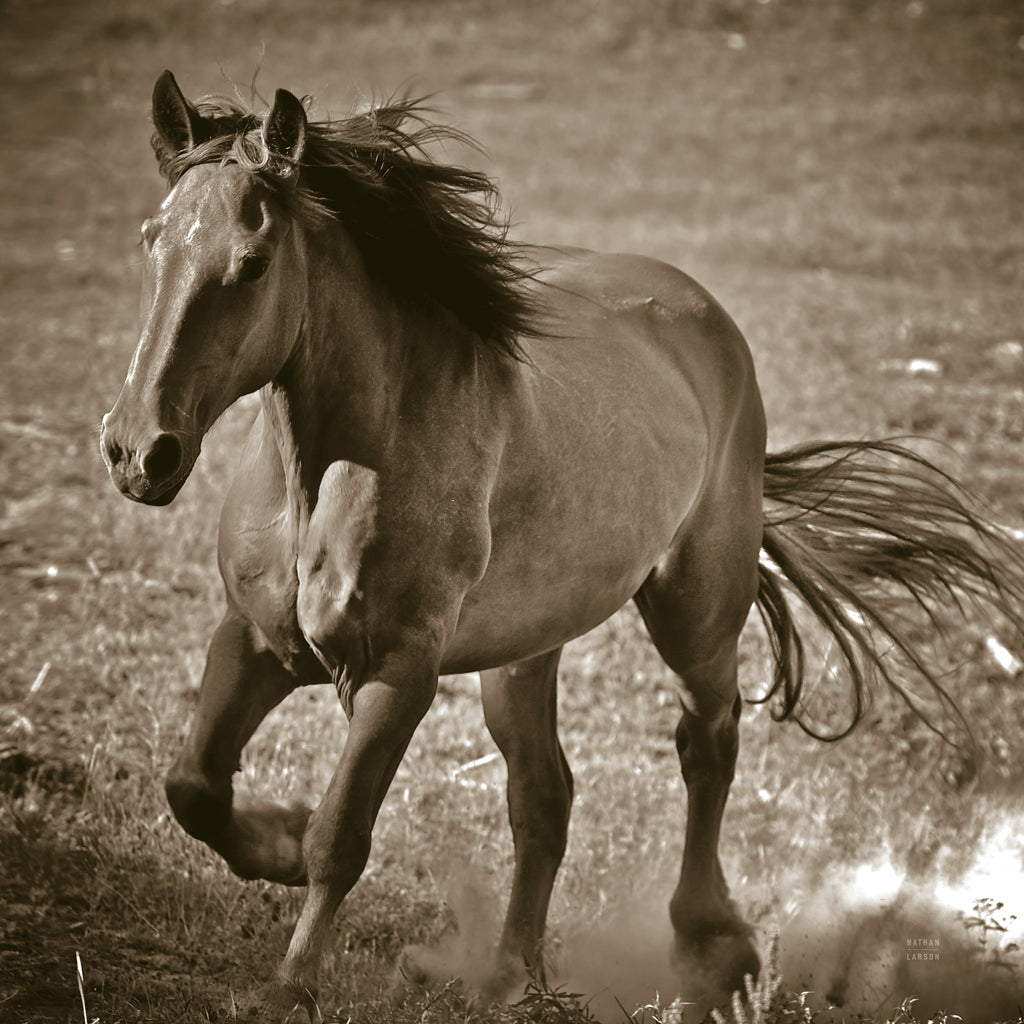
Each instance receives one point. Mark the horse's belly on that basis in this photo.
(560, 571)
(502, 623)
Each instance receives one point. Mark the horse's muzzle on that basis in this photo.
(152, 472)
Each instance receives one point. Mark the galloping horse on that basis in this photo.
(469, 453)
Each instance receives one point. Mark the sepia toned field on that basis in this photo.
(845, 176)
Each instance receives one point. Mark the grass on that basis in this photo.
(843, 175)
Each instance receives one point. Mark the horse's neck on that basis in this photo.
(342, 394)
(330, 401)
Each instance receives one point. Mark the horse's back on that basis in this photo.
(642, 343)
(629, 307)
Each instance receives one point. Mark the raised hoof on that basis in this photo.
(713, 960)
(266, 841)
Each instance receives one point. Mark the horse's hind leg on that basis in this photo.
(520, 711)
(242, 682)
(694, 606)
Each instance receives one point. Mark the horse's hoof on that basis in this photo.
(411, 972)
(713, 960)
(419, 969)
(292, 1002)
(507, 977)
(266, 841)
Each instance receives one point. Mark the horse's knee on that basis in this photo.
(567, 783)
(554, 812)
(334, 857)
(201, 810)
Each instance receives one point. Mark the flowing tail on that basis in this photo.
(866, 534)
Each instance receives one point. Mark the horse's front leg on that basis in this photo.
(242, 682)
(385, 712)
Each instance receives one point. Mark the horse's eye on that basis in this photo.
(252, 267)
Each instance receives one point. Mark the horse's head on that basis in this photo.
(224, 293)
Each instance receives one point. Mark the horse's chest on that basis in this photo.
(370, 561)
(257, 563)
(298, 579)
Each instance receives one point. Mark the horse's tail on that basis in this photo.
(864, 533)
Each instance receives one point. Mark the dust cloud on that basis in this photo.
(947, 929)
(467, 951)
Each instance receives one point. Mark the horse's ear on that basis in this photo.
(179, 125)
(284, 133)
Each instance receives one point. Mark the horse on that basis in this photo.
(470, 451)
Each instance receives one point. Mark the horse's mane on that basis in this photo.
(426, 230)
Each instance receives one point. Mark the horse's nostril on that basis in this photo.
(163, 459)
(113, 450)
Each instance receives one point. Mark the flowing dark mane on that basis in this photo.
(426, 230)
